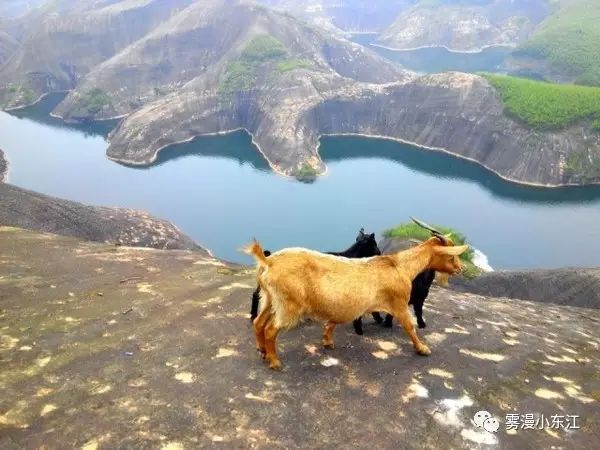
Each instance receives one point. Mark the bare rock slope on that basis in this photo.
(574, 287)
(33, 211)
(129, 348)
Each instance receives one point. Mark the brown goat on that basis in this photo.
(297, 283)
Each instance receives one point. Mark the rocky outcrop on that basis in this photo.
(33, 211)
(3, 167)
(131, 348)
(469, 26)
(573, 287)
(453, 112)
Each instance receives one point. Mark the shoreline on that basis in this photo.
(279, 171)
(154, 156)
(465, 52)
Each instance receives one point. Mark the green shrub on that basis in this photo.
(94, 100)
(292, 64)
(582, 166)
(411, 230)
(305, 173)
(546, 106)
(263, 53)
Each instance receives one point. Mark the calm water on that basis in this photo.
(437, 59)
(220, 191)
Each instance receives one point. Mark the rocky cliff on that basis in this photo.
(453, 112)
(3, 167)
(466, 26)
(33, 211)
(132, 348)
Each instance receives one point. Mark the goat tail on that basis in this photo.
(254, 249)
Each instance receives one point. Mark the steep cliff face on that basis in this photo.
(68, 38)
(455, 112)
(467, 26)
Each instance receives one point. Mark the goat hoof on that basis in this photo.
(359, 332)
(275, 365)
(388, 325)
(263, 352)
(422, 325)
(328, 344)
(423, 350)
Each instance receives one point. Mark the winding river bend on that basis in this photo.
(220, 191)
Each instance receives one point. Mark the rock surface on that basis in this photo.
(3, 167)
(33, 211)
(123, 347)
(468, 26)
(573, 287)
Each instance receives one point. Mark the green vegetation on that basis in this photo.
(570, 40)
(547, 106)
(94, 100)
(306, 173)
(411, 230)
(261, 54)
(292, 64)
(583, 167)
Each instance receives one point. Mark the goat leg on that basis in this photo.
(327, 340)
(388, 323)
(358, 326)
(259, 329)
(418, 308)
(377, 317)
(403, 315)
(271, 332)
(255, 301)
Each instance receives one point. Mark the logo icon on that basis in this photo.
(484, 419)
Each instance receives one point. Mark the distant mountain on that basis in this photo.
(67, 38)
(566, 46)
(345, 15)
(465, 25)
(10, 9)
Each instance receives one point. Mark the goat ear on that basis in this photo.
(453, 251)
(372, 236)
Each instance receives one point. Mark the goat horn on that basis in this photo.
(426, 226)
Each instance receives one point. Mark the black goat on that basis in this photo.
(418, 294)
(364, 247)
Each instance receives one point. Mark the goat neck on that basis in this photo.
(414, 260)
